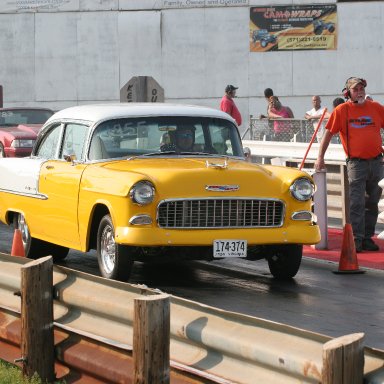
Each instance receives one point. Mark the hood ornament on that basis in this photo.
(222, 188)
(217, 165)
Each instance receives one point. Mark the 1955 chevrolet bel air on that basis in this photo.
(151, 182)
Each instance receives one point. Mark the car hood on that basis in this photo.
(205, 176)
(22, 131)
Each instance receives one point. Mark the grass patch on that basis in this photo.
(11, 374)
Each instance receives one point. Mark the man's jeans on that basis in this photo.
(364, 195)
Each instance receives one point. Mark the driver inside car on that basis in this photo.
(180, 140)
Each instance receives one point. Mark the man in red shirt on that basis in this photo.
(228, 105)
(358, 122)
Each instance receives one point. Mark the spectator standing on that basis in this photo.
(314, 115)
(277, 111)
(268, 92)
(358, 122)
(337, 102)
(228, 105)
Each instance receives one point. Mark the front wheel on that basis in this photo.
(115, 260)
(284, 261)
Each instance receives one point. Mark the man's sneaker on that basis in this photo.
(358, 245)
(369, 245)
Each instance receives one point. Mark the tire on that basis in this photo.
(35, 248)
(318, 30)
(284, 262)
(2, 151)
(115, 260)
(331, 28)
(263, 43)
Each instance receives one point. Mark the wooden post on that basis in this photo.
(343, 360)
(151, 339)
(37, 343)
(344, 194)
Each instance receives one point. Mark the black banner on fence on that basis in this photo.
(296, 27)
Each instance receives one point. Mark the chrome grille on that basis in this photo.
(220, 213)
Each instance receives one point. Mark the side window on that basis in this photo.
(49, 145)
(74, 140)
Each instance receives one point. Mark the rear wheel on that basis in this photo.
(284, 261)
(115, 260)
(35, 248)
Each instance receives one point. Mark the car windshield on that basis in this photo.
(127, 137)
(12, 117)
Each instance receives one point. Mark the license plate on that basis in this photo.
(230, 248)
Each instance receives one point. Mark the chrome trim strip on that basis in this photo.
(34, 196)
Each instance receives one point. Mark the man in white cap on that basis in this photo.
(228, 105)
(358, 123)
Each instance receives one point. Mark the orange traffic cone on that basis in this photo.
(17, 244)
(348, 259)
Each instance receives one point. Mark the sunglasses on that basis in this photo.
(185, 135)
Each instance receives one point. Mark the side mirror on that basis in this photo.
(247, 154)
(70, 158)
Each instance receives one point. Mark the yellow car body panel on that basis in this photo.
(74, 191)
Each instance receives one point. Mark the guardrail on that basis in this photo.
(93, 317)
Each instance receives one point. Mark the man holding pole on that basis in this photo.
(359, 121)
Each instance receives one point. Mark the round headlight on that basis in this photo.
(302, 189)
(142, 193)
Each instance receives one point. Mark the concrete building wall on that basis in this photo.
(59, 53)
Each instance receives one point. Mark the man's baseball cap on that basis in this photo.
(353, 81)
(230, 88)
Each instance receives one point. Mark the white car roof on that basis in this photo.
(97, 112)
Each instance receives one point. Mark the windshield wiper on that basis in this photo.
(182, 153)
(152, 154)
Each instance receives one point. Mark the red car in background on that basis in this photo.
(19, 128)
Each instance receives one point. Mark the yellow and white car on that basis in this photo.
(149, 182)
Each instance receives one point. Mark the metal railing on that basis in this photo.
(286, 130)
(215, 345)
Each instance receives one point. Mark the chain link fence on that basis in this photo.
(288, 130)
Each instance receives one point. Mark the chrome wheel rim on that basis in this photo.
(23, 227)
(108, 249)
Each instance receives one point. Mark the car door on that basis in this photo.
(59, 180)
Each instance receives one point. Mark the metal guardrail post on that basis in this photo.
(381, 210)
(344, 194)
(320, 207)
(343, 360)
(151, 340)
(37, 347)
